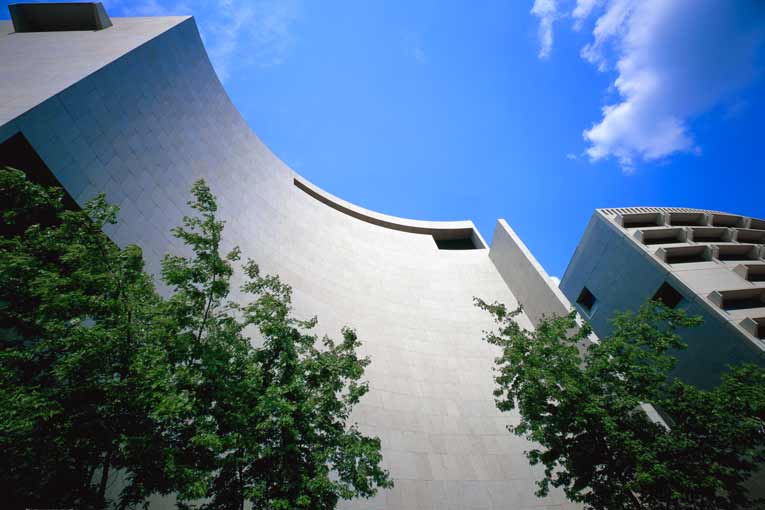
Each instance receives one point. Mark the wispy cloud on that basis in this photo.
(555, 280)
(147, 8)
(412, 44)
(582, 11)
(419, 55)
(673, 59)
(547, 12)
(571, 156)
(237, 33)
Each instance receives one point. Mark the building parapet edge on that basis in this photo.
(438, 229)
(521, 271)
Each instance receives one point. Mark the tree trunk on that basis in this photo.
(105, 476)
(240, 479)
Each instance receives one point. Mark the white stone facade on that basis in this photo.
(136, 110)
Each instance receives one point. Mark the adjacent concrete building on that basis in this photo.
(708, 262)
(132, 107)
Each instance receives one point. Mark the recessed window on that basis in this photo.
(727, 220)
(639, 220)
(684, 254)
(751, 272)
(586, 299)
(710, 234)
(742, 303)
(756, 274)
(740, 299)
(755, 326)
(682, 219)
(455, 244)
(756, 224)
(750, 236)
(663, 236)
(668, 295)
(737, 252)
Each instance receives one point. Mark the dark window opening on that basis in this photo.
(662, 240)
(733, 256)
(59, 17)
(739, 299)
(640, 224)
(751, 236)
(586, 299)
(726, 220)
(759, 328)
(754, 273)
(733, 253)
(686, 219)
(662, 236)
(455, 244)
(685, 257)
(708, 238)
(742, 303)
(668, 295)
(640, 221)
(756, 224)
(710, 235)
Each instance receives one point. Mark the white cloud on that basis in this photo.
(571, 156)
(582, 11)
(674, 59)
(236, 33)
(547, 12)
(555, 280)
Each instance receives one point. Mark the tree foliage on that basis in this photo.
(80, 359)
(596, 442)
(270, 422)
(101, 375)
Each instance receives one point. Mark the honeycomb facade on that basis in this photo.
(708, 262)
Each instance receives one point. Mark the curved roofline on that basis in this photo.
(440, 230)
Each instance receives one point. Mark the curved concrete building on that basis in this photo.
(136, 110)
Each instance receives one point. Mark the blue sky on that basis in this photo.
(533, 111)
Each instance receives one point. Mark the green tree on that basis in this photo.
(101, 377)
(270, 423)
(307, 454)
(584, 410)
(212, 363)
(82, 364)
